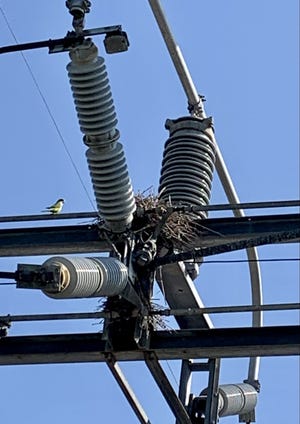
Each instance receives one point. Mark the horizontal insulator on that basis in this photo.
(93, 98)
(112, 186)
(88, 277)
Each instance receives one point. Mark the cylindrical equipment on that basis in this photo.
(97, 120)
(112, 184)
(87, 277)
(188, 164)
(235, 399)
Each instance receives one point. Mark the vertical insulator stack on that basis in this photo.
(188, 163)
(97, 120)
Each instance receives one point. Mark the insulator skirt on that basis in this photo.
(236, 399)
(93, 98)
(97, 119)
(188, 164)
(88, 277)
(112, 186)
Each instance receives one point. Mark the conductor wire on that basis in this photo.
(48, 110)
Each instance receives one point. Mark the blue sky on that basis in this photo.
(244, 56)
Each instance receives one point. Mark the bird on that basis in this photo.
(56, 207)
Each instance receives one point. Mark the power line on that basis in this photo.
(48, 109)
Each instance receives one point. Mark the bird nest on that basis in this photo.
(180, 228)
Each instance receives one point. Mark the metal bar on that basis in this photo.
(162, 312)
(52, 240)
(49, 217)
(126, 389)
(179, 344)
(246, 205)
(185, 383)
(211, 408)
(217, 207)
(248, 225)
(87, 238)
(199, 366)
(29, 46)
(66, 42)
(228, 309)
(180, 292)
(167, 390)
(199, 253)
(8, 275)
(176, 55)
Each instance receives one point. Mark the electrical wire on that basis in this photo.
(172, 373)
(48, 110)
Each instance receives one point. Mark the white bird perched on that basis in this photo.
(56, 207)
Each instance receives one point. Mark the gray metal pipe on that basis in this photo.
(196, 102)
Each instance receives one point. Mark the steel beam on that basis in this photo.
(218, 231)
(179, 344)
(126, 389)
(51, 240)
(180, 292)
(167, 390)
(86, 238)
(211, 409)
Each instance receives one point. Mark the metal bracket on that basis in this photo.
(203, 409)
(4, 326)
(36, 277)
(116, 41)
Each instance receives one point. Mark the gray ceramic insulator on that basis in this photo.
(88, 277)
(97, 120)
(112, 186)
(235, 399)
(188, 164)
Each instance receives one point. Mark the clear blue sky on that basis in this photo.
(244, 56)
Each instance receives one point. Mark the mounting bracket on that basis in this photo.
(115, 41)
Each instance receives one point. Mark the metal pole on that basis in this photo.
(185, 383)
(195, 100)
(211, 409)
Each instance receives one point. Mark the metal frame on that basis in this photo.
(88, 238)
(167, 345)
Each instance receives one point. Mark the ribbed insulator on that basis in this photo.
(188, 164)
(97, 119)
(235, 399)
(112, 186)
(92, 96)
(88, 277)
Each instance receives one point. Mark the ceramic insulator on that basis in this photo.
(88, 277)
